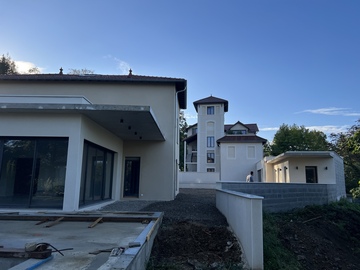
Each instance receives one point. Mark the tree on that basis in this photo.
(298, 138)
(34, 70)
(347, 145)
(82, 71)
(183, 133)
(7, 65)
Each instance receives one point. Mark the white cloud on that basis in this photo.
(333, 111)
(329, 129)
(269, 129)
(123, 66)
(23, 67)
(190, 118)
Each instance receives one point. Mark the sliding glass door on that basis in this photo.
(96, 180)
(32, 172)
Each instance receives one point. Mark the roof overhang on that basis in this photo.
(126, 122)
(301, 154)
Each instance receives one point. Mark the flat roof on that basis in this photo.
(297, 154)
(126, 122)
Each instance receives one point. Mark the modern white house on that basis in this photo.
(73, 142)
(218, 153)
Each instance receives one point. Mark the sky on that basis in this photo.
(275, 61)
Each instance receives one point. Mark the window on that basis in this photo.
(210, 142)
(251, 152)
(32, 171)
(210, 157)
(194, 131)
(311, 174)
(235, 132)
(210, 169)
(210, 110)
(96, 178)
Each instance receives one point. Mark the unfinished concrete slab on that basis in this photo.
(87, 240)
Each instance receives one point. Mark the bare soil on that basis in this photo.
(323, 237)
(195, 235)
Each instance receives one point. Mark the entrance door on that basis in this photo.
(131, 177)
(311, 174)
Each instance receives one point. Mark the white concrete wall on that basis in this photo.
(199, 180)
(203, 119)
(296, 170)
(244, 215)
(159, 160)
(236, 169)
(74, 127)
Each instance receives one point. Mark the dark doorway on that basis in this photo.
(311, 174)
(132, 177)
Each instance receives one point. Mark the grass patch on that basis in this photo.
(276, 256)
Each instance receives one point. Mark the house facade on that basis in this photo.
(218, 153)
(232, 151)
(73, 142)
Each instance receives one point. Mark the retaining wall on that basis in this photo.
(243, 213)
(279, 197)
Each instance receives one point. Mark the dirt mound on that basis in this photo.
(323, 237)
(187, 245)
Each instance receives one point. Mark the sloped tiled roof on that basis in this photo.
(242, 139)
(180, 84)
(212, 100)
(253, 128)
(190, 138)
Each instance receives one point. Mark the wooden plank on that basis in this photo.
(95, 222)
(55, 222)
(42, 221)
(21, 253)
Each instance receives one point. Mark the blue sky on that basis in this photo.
(275, 61)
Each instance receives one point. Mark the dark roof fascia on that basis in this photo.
(190, 138)
(191, 126)
(212, 100)
(180, 84)
(241, 139)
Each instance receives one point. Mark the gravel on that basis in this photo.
(195, 205)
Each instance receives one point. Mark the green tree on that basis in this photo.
(7, 65)
(298, 138)
(347, 145)
(183, 133)
(34, 70)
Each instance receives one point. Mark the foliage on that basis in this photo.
(298, 138)
(83, 71)
(267, 149)
(34, 70)
(276, 256)
(355, 192)
(183, 133)
(347, 145)
(7, 65)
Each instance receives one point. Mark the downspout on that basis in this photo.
(176, 176)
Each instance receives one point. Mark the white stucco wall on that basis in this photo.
(159, 160)
(295, 172)
(237, 168)
(76, 129)
(203, 119)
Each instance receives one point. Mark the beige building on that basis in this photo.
(75, 142)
